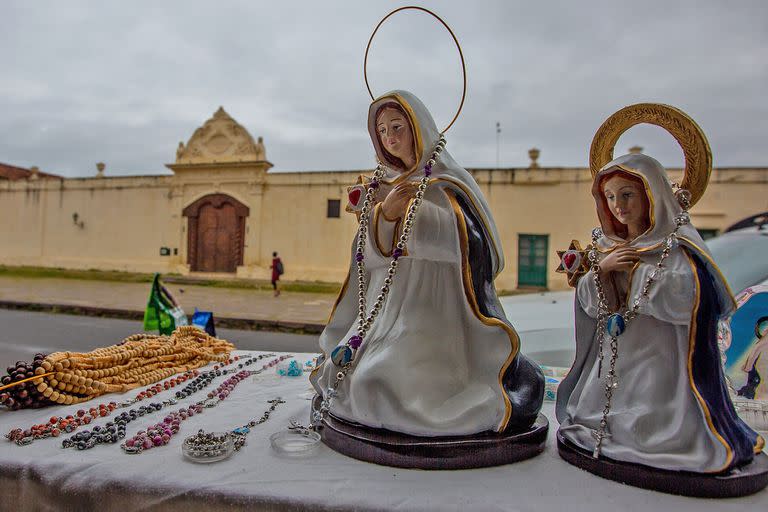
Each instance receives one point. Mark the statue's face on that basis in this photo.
(395, 134)
(627, 201)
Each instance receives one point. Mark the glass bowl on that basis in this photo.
(206, 453)
(293, 443)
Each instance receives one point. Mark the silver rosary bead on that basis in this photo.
(629, 315)
(364, 322)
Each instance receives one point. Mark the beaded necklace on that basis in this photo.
(612, 325)
(113, 431)
(67, 424)
(343, 356)
(57, 425)
(161, 433)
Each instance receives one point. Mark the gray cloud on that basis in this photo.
(123, 83)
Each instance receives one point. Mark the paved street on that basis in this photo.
(543, 320)
(23, 333)
(224, 302)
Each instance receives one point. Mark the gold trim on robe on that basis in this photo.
(468, 195)
(691, 346)
(469, 292)
(378, 211)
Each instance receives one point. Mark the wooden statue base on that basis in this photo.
(389, 448)
(742, 481)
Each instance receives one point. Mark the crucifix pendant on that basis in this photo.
(598, 435)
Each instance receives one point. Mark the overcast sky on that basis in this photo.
(124, 82)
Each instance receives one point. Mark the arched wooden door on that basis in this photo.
(216, 233)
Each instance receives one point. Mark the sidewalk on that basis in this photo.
(232, 307)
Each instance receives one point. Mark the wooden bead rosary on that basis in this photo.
(71, 377)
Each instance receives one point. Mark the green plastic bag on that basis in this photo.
(163, 313)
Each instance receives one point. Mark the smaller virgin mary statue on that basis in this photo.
(647, 386)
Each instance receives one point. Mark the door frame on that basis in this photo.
(192, 212)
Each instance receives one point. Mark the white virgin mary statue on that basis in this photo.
(670, 408)
(440, 358)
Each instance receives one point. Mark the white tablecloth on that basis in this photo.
(43, 476)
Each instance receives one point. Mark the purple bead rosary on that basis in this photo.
(160, 434)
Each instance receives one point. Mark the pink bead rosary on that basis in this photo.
(161, 433)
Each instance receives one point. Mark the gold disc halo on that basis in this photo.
(698, 155)
(455, 40)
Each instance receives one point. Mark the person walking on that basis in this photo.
(277, 271)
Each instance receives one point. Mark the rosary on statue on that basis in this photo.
(343, 355)
(613, 325)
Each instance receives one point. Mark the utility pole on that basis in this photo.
(498, 135)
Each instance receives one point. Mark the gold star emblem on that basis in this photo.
(574, 262)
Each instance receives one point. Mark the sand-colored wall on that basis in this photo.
(126, 220)
(121, 223)
(558, 202)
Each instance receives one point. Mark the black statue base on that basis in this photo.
(389, 448)
(742, 481)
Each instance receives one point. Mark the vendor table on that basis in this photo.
(43, 476)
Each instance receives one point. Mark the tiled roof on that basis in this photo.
(13, 173)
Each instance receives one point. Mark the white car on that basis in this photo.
(742, 256)
(545, 320)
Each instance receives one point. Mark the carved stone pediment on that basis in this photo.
(221, 139)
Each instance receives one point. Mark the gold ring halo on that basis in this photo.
(698, 155)
(455, 40)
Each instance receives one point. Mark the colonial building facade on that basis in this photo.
(222, 213)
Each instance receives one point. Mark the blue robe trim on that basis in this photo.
(708, 374)
(523, 380)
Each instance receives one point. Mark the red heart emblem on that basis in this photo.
(569, 259)
(354, 196)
